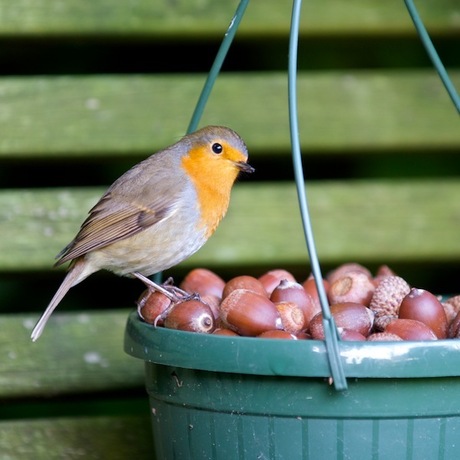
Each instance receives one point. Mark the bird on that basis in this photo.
(157, 214)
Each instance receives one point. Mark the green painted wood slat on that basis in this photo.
(361, 111)
(191, 18)
(91, 438)
(353, 220)
(80, 353)
(342, 112)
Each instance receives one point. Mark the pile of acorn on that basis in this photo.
(365, 307)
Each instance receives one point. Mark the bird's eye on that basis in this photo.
(217, 148)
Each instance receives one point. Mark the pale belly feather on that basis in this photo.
(154, 249)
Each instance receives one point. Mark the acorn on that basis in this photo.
(224, 331)
(350, 335)
(303, 335)
(353, 286)
(346, 315)
(410, 329)
(191, 315)
(454, 327)
(425, 307)
(310, 288)
(384, 337)
(345, 269)
(247, 282)
(151, 305)
(382, 272)
(271, 279)
(291, 291)
(203, 282)
(213, 302)
(249, 313)
(386, 299)
(292, 316)
(277, 334)
(451, 307)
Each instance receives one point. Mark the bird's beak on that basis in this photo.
(244, 167)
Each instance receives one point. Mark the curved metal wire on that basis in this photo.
(331, 334)
(425, 38)
(217, 64)
(211, 78)
(330, 330)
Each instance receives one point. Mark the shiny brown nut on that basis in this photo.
(383, 337)
(454, 328)
(277, 334)
(347, 315)
(451, 307)
(291, 291)
(382, 272)
(225, 331)
(310, 288)
(151, 305)
(292, 317)
(204, 282)
(272, 278)
(303, 335)
(244, 282)
(345, 269)
(425, 307)
(249, 313)
(350, 335)
(353, 286)
(386, 299)
(213, 302)
(191, 315)
(410, 329)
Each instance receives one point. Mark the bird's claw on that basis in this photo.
(173, 293)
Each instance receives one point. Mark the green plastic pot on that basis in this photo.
(217, 397)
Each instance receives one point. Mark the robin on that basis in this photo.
(157, 214)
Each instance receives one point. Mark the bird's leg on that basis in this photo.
(151, 285)
(173, 293)
(169, 286)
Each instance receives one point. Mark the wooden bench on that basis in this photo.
(87, 90)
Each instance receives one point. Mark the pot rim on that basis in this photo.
(302, 358)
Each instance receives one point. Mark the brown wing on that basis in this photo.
(111, 220)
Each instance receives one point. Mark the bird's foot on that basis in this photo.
(167, 288)
(180, 294)
(173, 293)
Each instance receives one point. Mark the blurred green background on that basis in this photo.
(29, 53)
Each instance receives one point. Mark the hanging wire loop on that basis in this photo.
(217, 65)
(330, 330)
(428, 44)
(212, 75)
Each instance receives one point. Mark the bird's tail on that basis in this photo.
(74, 276)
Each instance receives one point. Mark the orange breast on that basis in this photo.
(213, 178)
